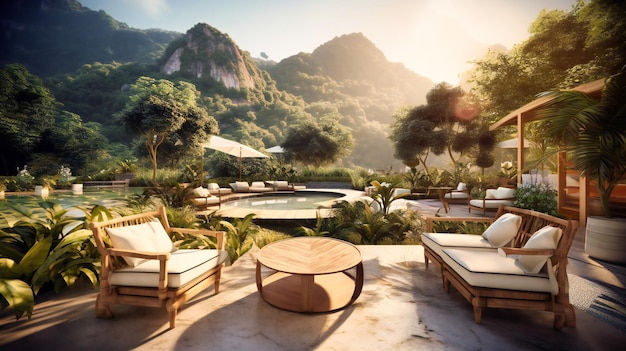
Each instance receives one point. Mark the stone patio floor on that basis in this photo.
(402, 307)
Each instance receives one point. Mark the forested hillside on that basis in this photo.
(88, 60)
(58, 36)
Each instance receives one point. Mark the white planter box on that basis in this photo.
(77, 189)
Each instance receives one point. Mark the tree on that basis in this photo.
(74, 144)
(318, 144)
(27, 109)
(166, 113)
(446, 124)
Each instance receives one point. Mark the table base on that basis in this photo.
(308, 293)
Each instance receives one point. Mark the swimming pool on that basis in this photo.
(299, 200)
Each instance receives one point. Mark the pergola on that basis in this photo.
(527, 113)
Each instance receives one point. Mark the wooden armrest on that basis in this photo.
(140, 254)
(431, 220)
(521, 251)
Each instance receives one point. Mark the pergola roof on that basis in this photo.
(527, 111)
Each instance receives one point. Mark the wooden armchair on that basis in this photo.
(141, 266)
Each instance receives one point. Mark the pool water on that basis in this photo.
(296, 201)
(103, 197)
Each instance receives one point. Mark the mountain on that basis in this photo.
(58, 36)
(206, 52)
(353, 67)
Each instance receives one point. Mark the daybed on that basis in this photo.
(494, 198)
(214, 189)
(508, 266)
(202, 198)
(141, 266)
(255, 187)
(280, 185)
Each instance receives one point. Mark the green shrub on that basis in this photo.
(539, 197)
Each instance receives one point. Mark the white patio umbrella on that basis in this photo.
(233, 148)
(512, 144)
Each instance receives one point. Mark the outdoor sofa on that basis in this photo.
(519, 262)
(494, 198)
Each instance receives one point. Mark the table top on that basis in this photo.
(310, 255)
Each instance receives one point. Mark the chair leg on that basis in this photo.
(477, 303)
(218, 276)
(103, 310)
(172, 310)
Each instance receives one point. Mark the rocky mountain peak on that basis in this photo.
(205, 52)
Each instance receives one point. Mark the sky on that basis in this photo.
(433, 38)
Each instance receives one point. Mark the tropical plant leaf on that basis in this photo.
(37, 254)
(18, 296)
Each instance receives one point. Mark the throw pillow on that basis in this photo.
(503, 230)
(505, 193)
(490, 194)
(545, 238)
(148, 237)
(461, 187)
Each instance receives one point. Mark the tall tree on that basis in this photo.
(318, 144)
(27, 109)
(166, 113)
(446, 124)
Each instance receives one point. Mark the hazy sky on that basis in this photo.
(434, 38)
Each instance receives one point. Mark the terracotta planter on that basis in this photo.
(1, 194)
(605, 238)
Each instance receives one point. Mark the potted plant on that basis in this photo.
(126, 170)
(594, 135)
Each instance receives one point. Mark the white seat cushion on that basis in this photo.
(438, 241)
(503, 229)
(148, 237)
(488, 269)
(456, 195)
(204, 201)
(492, 203)
(183, 266)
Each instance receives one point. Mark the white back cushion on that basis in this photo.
(503, 230)
(241, 186)
(490, 194)
(505, 193)
(149, 237)
(545, 238)
(200, 191)
(213, 186)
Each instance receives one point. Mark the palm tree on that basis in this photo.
(592, 132)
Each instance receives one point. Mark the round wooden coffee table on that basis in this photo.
(311, 274)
